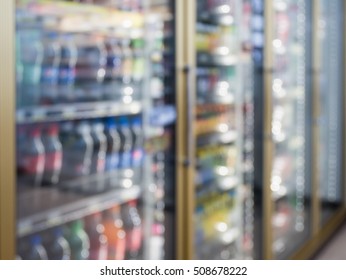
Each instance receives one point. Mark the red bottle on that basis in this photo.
(31, 158)
(53, 153)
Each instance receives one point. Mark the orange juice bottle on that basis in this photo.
(115, 233)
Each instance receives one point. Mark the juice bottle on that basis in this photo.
(115, 233)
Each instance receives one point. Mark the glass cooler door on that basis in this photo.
(290, 183)
(219, 131)
(331, 81)
(90, 130)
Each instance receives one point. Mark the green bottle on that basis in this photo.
(78, 240)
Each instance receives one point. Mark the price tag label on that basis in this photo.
(25, 227)
(39, 114)
(69, 112)
(20, 115)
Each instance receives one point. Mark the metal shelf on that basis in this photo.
(214, 60)
(216, 137)
(74, 111)
(43, 208)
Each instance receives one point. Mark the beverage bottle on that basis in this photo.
(53, 154)
(112, 152)
(137, 147)
(91, 68)
(78, 241)
(113, 70)
(127, 61)
(36, 251)
(77, 149)
(31, 54)
(115, 233)
(67, 68)
(125, 142)
(57, 246)
(98, 158)
(138, 60)
(133, 229)
(98, 240)
(32, 159)
(50, 69)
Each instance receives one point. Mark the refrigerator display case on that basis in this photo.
(91, 120)
(248, 132)
(218, 131)
(331, 81)
(290, 126)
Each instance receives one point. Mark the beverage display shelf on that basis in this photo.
(66, 8)
(207, 249)
(213, 107)
(203, 129)
(216, 137)
(225, 183)
(43, 208)
(217, 17)
(209, 59)
(75, 111)
(281, 193)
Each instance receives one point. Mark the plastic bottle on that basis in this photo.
(133, 229)
(78, 240)
(36, 250)
(127, 61)
(77, 149)
(137, 141)
(138, 60)
(32, 159)
(137, 148)
(113, 70)
(91, 68)
(67, 68)
(112, 152)
(126, 172)
(125, 142)
(58, 247)
(115, 233)
(53, 155)
(98, 158)
(50, 69)
(32, 54)
(98, 240)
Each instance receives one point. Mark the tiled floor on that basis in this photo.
(335, 248)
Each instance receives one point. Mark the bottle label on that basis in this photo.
(49, 75)
(134, 239)
(117, 252)
(137, 157)
(112, 161)
(33, 164)
(31, 74)
(100, 253)
(67, 75)
(126, 160)
(100, 165)
(53, 161)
